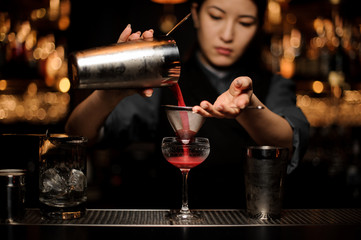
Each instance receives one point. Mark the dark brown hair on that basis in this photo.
(261, 8)
(251, 59)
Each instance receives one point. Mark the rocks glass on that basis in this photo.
(62, 177)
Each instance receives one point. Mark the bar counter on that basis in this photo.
(216, 224)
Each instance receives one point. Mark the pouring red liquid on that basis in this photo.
(185, 133)
(178, 94)
(187, 152)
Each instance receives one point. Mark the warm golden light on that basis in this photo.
(318, 26)
(2, 36)
(38, 14)
(30, 40)
(64, 85)
(287, 68)
(3, 85)
(32, 89)
(54, 6)
(336, 78)
(41, 107)
(37, 47)
(335, 2)
(167, 22)
(274, 12)
(324, 112)
(295, 40)
(24, 30)
(317, 87)
(64, 23)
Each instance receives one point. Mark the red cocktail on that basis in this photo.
(186, 161)
(185, 157)
(184, 151)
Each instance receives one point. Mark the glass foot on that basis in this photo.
(62, 213)
(188, 217)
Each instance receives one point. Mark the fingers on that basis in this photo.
(148, 34)
(201, 111)
(241, 90)
(146, 92)
(127, 34)
(206, 109)
(229, 104)
(134, 36)
(239, 85)
(138, 35)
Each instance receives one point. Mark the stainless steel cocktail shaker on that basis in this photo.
(143, 63)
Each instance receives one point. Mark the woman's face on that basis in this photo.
(224, 29)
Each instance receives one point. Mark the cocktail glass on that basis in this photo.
(185, 157)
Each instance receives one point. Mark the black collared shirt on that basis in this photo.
(218, 181)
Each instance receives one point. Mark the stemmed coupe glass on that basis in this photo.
(185, 156)
(184, 151)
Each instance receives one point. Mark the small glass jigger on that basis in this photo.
(12, 195)
(184, 121)
(143, 63)
(265, 170)
(62, 177)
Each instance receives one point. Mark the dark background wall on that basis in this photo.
(94, 25)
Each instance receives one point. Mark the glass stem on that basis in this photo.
(185, 208)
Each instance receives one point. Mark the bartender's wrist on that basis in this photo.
(251, 109)
(255, 102)
(250, 99)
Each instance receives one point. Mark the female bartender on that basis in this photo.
(223, 75)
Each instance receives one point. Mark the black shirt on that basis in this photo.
(218, 181)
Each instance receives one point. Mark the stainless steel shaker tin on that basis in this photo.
(265, 171)
(12, 195)
(143, 63)
(267, 152)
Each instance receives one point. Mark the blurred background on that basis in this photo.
(317, 43)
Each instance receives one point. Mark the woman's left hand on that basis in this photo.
(229, 104)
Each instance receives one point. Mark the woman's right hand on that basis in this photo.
(231, 103)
